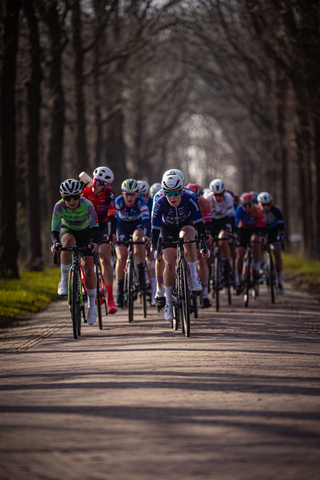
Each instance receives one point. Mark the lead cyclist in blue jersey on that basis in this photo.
(176, 214)
(133, 218)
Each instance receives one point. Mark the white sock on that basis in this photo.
(204, 291)
(92, 296)
(153, 286)
(168, 291)
(64, 272)
(193, 269)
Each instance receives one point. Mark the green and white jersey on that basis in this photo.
(83, 217)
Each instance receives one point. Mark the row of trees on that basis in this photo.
(215, 87)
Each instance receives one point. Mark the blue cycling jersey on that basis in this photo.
(160, 193)
(137, 214)
(163, 212)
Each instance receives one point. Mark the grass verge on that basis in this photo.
(33, 291)
(302, 273)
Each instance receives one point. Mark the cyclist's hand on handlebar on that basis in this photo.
(56, 247)
(93, 247)
(112, 238)
(158, 255)
(209, 239)
(147, 241)
(205, 254)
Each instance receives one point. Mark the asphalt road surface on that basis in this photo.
(239, 399)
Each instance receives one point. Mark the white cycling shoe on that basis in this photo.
(63, 288)
(92, 315)
(196, 284)
(168, 312)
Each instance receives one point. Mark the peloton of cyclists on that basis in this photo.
(132, 219)
(275, 231)
(250, 225)
(176, 214)
(74, 223)
(103, 199)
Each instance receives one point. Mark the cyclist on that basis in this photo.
(159, 267)
(133, 219)
(74, 222)
(250, 225)
(223, 218)
(275, 229)
(144, 194)
(155, 187)
(103, 198)
(203, 267)
(176, 214)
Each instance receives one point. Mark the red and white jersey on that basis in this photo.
(223, 209)
(104, 204)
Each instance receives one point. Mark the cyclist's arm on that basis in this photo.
(154, 238)
(112, 225)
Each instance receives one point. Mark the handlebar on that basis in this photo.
(68, 249)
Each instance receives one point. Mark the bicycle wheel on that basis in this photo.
(185, 300)
(195, 304)
(75, 303)
(99, 292)
(130, 290)
(217, 268)
(175, 297)
(271, 276)
(247, 281)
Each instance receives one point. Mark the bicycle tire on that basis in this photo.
(75, 302)
(271, 276)
(144, 301)
(98, 273)
(195, 304)
(175, 296)
(247, 281)
(229, 294)
(217, 267)
(185, 300)
(130, 290)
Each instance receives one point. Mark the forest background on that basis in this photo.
(217, 88)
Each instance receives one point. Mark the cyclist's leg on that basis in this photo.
(257, 256)
(204, 278)
(139, 256)
(240, 252)
(121, 254)
(152, 276)
(224, 251)
(188, 232)
(91, 282)
(277, 250)
(169, 258)
(67, 239)
(105, 250)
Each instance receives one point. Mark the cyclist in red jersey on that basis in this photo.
(103, 198)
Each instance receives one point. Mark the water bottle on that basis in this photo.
(85, 178)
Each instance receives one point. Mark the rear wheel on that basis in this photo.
(271, 276)
(195, 304)
(247, 282)
(99, 287)
(130, 290)
(217, 281)
(185, 304)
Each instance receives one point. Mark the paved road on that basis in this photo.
(239, 399)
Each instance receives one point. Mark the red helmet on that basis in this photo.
(247, 197)
(194, 187)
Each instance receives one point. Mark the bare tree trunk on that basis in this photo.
(8, 209)
(56, 109)
(80, 143)
(35, 260)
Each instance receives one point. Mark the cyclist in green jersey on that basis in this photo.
(74, 222)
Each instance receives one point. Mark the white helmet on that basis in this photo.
(104, 173)
(70, 187)
(130, 186)
(217, 186)
(171, 181)
(264, 197)
(143, 187)
(154, 189)
(176, 171)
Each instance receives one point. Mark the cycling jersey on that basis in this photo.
(82, 217)
(138, 214)
(205, 209)
(160, 193)
(274, 218)
(223, 209)
(254, 220)
(104, 203)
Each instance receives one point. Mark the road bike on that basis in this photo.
(132, 288)
(101, 296)
(270, 274)
(249, 278)
(182, 290)
(77, 290)
(221, 275)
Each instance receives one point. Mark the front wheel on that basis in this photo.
(185, 300)
(99, 286)
(247, 281)
(75, 303)
(130, 290)
(217, 272)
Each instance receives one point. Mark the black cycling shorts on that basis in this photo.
(172, 233)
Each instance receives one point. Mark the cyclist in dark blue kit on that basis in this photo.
(176, 214)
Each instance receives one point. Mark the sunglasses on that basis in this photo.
(142, 195)
(127, 194)
(68, 198)
(248, 205)
(98, 182)
(266, 204)
(173, 194)
(219, 194)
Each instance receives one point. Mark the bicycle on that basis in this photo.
(220, 278)
(182, 291)
(250, 281)
(269, 273)
(131, 287)
(77, 290)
